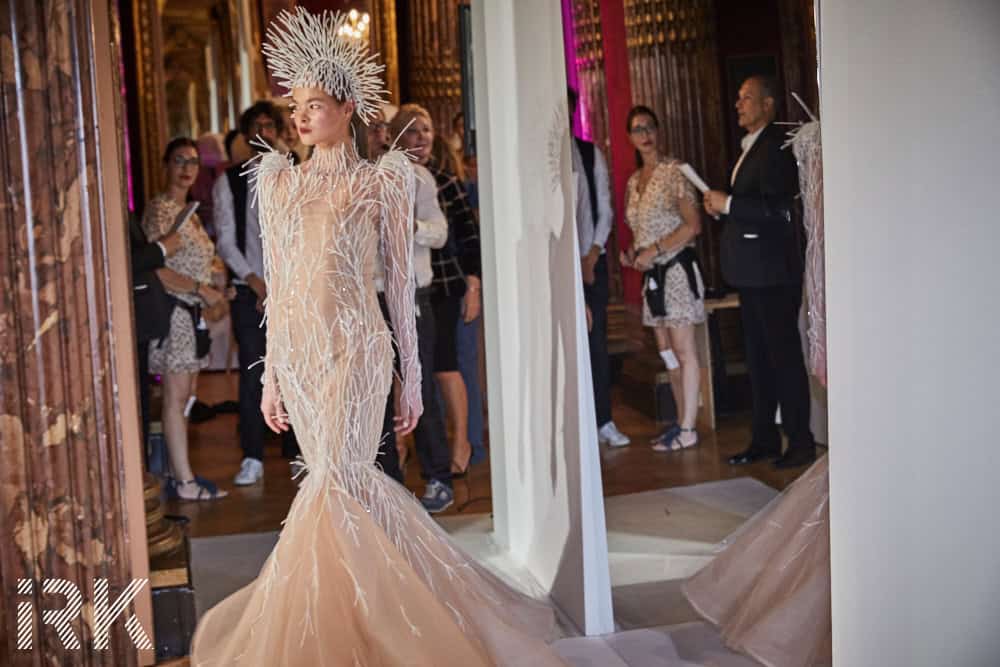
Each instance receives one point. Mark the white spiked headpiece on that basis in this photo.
(305, 50)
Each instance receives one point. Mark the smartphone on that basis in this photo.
(183, 217)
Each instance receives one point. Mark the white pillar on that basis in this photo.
(911, 139)
(547, 497)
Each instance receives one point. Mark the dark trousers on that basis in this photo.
(252, 340)
(596, 296)
(777, 368)
(430, 436)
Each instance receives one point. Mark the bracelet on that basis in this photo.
(657, 246)
(197, 287)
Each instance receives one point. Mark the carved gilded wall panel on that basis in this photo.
(148, 36)
(384, 41)
(674, 69)
(435, 78)
(590, 71)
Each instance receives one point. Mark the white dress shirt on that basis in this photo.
(251, 259)
(587, 232)
(746, 143)
(431, 232)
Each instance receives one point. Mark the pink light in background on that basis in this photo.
(125, 142)
(581, 127)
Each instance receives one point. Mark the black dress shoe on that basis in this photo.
(796, 457)
(750, 455)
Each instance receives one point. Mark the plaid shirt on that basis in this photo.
(460, 255)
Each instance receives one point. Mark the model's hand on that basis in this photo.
(590, 319)
(407, 415)
(273, 409)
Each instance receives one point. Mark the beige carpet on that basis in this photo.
(656, 539)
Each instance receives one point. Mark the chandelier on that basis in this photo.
(356, 26)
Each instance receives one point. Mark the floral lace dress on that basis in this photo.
(652, 214)
(177, 352)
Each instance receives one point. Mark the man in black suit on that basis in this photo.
(762, 259)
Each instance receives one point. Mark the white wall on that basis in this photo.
(547, 499)
(911, 133)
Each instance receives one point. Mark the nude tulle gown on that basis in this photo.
(361, 575)
(769, 590)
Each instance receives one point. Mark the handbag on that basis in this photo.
(202, 336)
(153, 307)
(653, 282)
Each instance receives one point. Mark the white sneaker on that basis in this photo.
(251, 472)
(610, 435)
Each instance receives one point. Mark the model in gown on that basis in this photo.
(361, 575)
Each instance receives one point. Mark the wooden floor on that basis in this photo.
(215, 454)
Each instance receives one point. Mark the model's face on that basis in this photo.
(182, 167)
(418, 138)
(642, 133)
(753, 110)
(320, 119)
(378, 135)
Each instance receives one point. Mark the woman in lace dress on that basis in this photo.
(361, 575)
(662, 212)
(175, 357)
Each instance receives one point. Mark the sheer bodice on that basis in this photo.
(361, 575)
(322, 225)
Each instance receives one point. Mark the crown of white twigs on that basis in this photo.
(305, 50)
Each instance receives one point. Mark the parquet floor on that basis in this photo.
(215, 454)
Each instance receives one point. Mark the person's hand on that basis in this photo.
(715, 202)
(627, 257)
(273, 409)
(472, 304)
(588, 264)
(171, 243)
(210, 295)
(590, 319)
(407, 416)
(644, 260)
(257, 284)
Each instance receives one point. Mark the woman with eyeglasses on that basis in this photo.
(177, 357)
(662, 212)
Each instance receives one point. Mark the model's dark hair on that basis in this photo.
(635, 112)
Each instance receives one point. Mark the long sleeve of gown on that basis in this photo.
(265, 175)
(397, 250)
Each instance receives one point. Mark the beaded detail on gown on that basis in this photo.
(768, 592)
(361, 575)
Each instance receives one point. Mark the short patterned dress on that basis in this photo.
(652, 214)
(177, 352)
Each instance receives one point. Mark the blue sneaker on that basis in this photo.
(437, 497)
